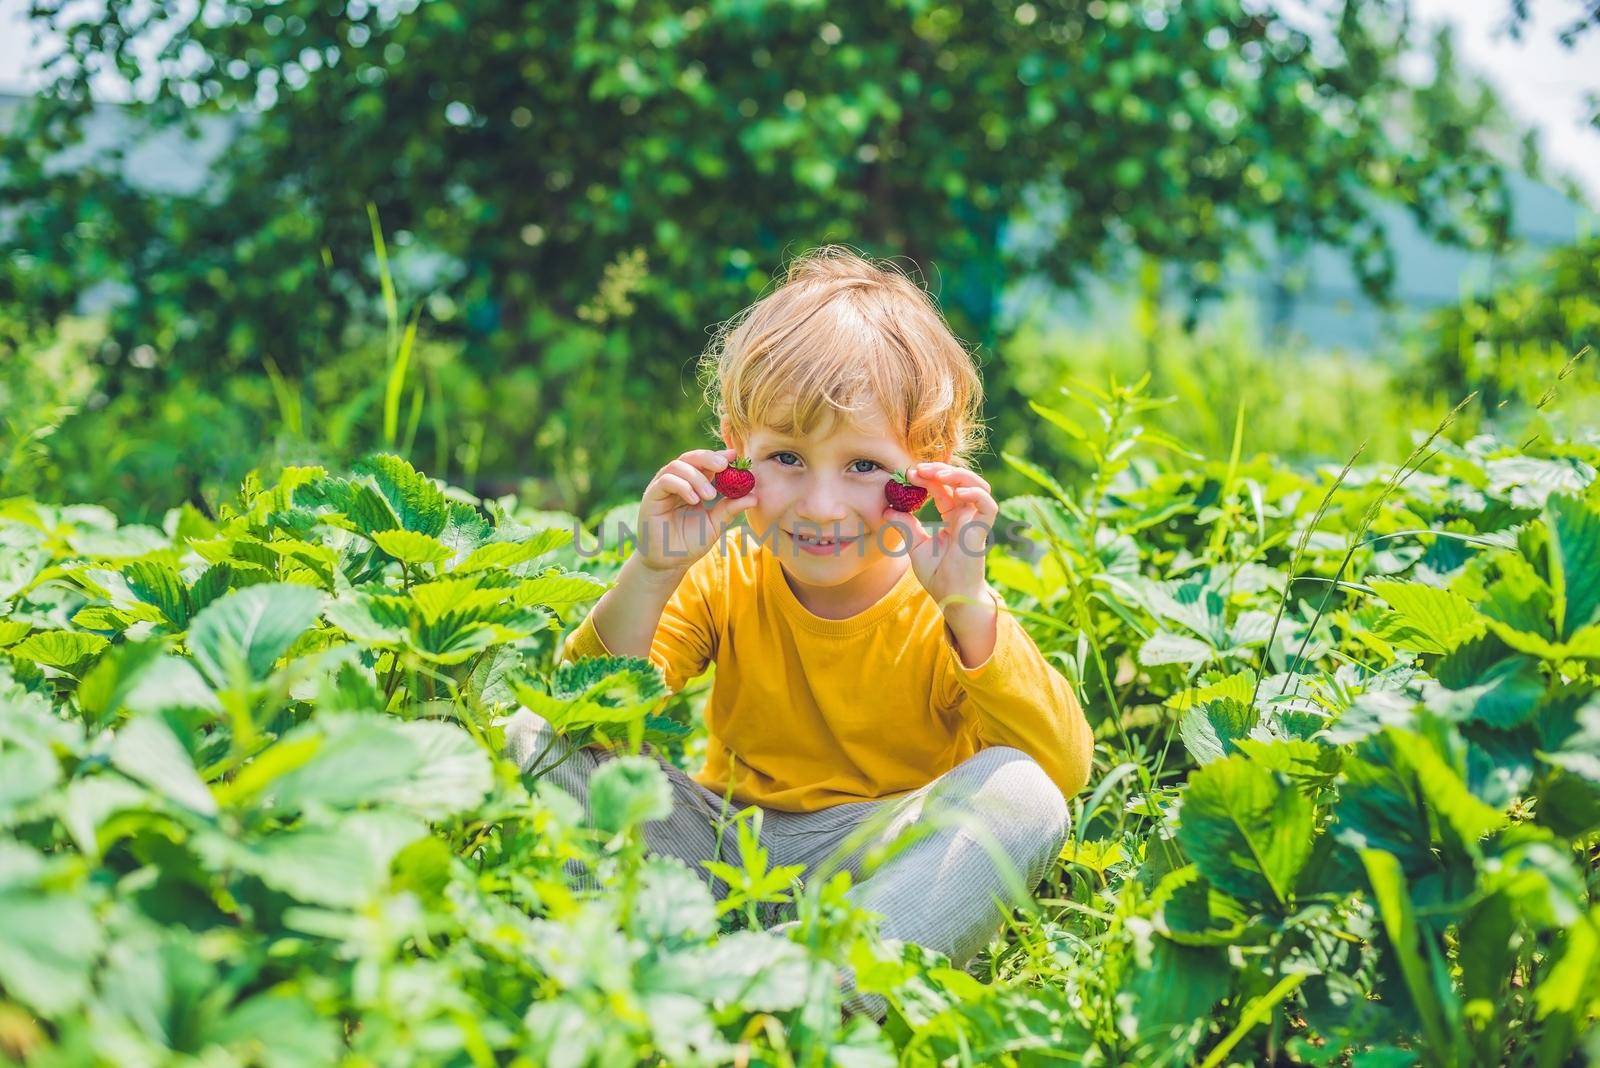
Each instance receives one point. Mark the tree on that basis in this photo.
(534, 146)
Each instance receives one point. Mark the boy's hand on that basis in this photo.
(675, 528)
(951, 564)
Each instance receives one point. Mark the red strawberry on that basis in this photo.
(902, 495)
(735, 480)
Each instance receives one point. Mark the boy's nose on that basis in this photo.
(822, 508)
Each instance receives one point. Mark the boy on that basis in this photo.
(871, 678)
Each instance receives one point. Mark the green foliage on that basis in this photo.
(1511, 342)
(255, 806)
(525, 218)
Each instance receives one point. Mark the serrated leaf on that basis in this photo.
(371, 619)
(1426, 619)
(673, 903)
(1582, 645)
(1237, 687)
(158, 584)
(1196, 913)
(1248, 832)
(366, 509)
(627, 791)
(410, 547)
(1575, 561)
(559, 589)
(506, 554)
(1210, 730)
(418, 503)
(66, 650)
(251, 628)
(1444, 790)
(431, 769)
(146, 749)
(462, 598)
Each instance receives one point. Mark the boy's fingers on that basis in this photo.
(694, 476)
(708, 459)
(726, 508)
(911, 527)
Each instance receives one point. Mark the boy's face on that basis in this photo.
(827, 485)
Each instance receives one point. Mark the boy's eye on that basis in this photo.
(872, 465)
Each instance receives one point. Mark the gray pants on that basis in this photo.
(982, 837)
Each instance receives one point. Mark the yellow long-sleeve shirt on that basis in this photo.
(807, 712)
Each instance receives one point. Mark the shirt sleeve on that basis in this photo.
(1018, 699)
(686, 639)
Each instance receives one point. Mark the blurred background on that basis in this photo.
(495, 236)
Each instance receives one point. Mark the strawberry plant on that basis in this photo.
(1345, 805)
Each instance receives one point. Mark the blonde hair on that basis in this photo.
(841, 332)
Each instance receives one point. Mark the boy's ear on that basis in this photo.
(727, 439)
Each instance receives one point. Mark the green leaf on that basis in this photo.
(48, 944)
(277, 1029)
(25, 775)
(146, 749)
(107, 685)
(673, 904)
(1164, 647)
(1037, 474)
(366, 509)
(1444, 789)
(1196, 913)
(453, 771)
(1426, 619)
(1237, 686)
(250, 629)
(418, 503)
(322, 866)
(559, 589)
(410, 547)
(1210, 729)
(1248, 831)
(1581, 645)
(158, 584)
(1568, 986)
(1060, 420)
(432, 769)
(423, 868)
(66, 650)
(627, 791)
(1393, 901)
(1574, 562)
(1502, 692)
(169, 682)
(371, 619)
(1519, 601)
(507, 554)
(751, 969)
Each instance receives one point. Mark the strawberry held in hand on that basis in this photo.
(736, 479)
(902, 495)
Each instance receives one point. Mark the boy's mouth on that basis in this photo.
(809, 542)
